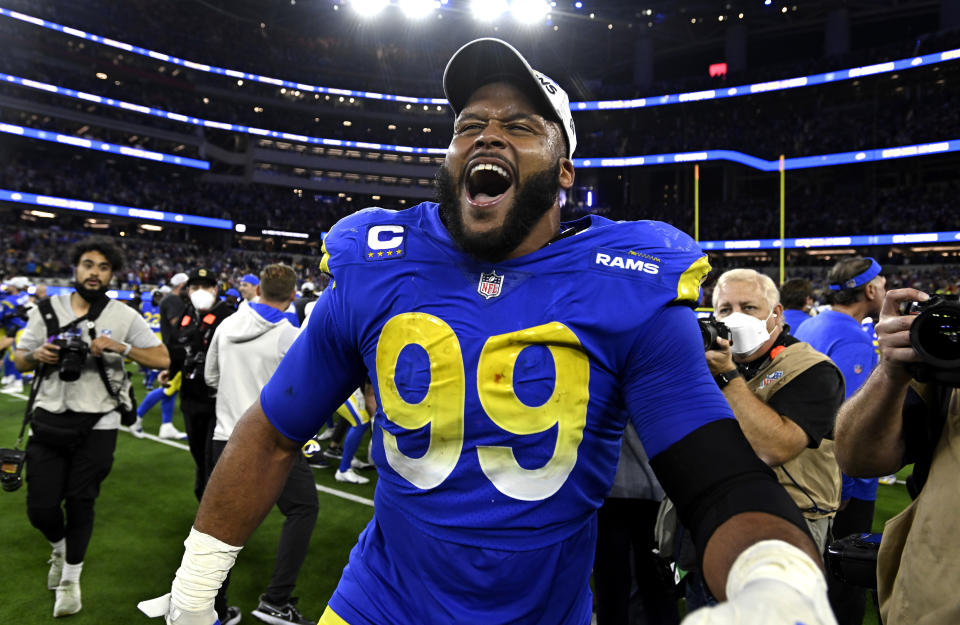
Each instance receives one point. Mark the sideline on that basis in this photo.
(320, 488)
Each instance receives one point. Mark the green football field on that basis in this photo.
(144, 512)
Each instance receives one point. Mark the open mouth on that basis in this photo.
(487, 183)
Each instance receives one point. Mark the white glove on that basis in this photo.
(174, 616)
(771, 583)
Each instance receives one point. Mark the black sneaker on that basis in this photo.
(333, 453)
(233, 616)
(281, 614)
(318, 462)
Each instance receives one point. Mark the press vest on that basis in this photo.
(917, 571)
(813, 478)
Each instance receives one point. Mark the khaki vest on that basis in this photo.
(918, 572)
(815, 486)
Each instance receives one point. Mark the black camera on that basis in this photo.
(193, 364)
(711, 330)
(935, 336)
(73, 354)
(11, 467)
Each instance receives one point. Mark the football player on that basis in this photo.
(500, 343)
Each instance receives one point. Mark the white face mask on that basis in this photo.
(202, 299)
(746, 332)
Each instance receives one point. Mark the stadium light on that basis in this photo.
(418, 9)
(529, 11)
(488, 10)
(368, 8)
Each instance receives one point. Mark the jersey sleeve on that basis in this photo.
(667, 386)
(35, 333)
(855, 360)
(324, 365)
(140, 335)
(685, 265)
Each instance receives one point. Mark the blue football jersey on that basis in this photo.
(499, 389)
(151, 314)
(8, 308)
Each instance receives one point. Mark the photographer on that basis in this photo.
(75, 416)
(856, 290)
(188, 351)
(784, 394)
(893, 421)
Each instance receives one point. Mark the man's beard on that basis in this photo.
(89, 295)
(531, 201)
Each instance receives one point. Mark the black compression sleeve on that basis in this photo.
(713, 474)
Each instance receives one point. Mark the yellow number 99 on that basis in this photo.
(443, 406)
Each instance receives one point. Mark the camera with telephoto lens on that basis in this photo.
(73, 354)
(11, 467)
(711, 330)
(935, 336)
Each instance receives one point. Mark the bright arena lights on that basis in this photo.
(369, 8)
(488, 10)
(529, 11)
(418, 9)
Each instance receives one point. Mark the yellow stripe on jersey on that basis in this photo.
(331, 618)
(688, 287)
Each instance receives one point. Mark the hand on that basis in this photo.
(103, 344)
(720, 360)
(161, 606)
(893, 333)
(6, 342)
(164, 377)
(771, 583)
(48, 353)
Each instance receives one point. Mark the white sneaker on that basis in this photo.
(350, 476)
(56, 570)
(137, 428)
(888, 479)
(356, 463)
(325, 435)
(68, 599)
(7, 379)
(13, 387)
(170, 431)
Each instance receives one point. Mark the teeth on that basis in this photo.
(490, 167)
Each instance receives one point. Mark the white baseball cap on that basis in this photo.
(19, 282)
(178, 279)
(487, 60)
(308, 286)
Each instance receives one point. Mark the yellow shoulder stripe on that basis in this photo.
(331, 618)
(688, 287)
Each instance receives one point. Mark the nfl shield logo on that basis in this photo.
(490, 284)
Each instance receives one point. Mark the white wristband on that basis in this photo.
(126, 349)
(205, 565)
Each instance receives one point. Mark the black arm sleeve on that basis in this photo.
(811, 400)
(712, 474)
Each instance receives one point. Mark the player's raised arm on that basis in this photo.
(755, 551)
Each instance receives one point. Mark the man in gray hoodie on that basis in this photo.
(245, 351)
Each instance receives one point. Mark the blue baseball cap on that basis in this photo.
(233, 292)
(251, 279)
